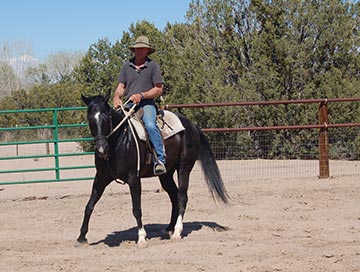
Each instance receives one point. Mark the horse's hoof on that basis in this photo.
(166, 235)
(176, 236)
(77, 244)
(142, 244)
(80, 242)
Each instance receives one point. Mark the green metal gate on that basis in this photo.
(54, 173)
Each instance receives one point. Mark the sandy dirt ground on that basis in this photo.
(275, 223)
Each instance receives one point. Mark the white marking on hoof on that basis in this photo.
(178, 228)
(142, 236)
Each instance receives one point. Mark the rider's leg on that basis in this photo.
(149, 119)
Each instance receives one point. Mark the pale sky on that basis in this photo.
(73, 25)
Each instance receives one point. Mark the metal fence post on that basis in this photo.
(56, 145)
(324, 171)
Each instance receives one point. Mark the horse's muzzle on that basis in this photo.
(102, 147)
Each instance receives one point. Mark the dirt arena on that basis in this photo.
(276, 222)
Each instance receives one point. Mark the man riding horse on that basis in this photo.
(140, 81)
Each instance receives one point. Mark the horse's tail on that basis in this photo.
(211, 171)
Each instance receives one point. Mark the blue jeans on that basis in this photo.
(149, 119)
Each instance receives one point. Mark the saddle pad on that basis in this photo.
(168, 123)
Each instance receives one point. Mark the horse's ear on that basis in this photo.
(107, 96)
(85, 99)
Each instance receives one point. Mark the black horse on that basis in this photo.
(116, 159)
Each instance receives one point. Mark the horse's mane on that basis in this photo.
(116, 114)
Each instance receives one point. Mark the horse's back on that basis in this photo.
(191, 130)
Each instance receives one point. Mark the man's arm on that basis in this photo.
(154, 92)
(118, 94)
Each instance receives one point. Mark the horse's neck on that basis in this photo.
(123, 133)
(116, 117)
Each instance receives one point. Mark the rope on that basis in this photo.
(137, 150)
(134, 135)
(127, 115)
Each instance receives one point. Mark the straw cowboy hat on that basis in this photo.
(142, 42)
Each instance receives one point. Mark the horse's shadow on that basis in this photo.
(155, 231)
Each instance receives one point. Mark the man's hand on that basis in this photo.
(136, 98)
(117, 102)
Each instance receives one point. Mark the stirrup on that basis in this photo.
(159, 169)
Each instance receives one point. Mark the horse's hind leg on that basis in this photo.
(97, 191)
(183, 184)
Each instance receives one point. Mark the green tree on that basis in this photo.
(97, 71)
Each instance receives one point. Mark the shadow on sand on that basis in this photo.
(155, 231)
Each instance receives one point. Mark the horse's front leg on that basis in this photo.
(97, 191)
(135, 191)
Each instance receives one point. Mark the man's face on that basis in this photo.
(141, 52)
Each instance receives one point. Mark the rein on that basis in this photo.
(135, 139)
(126, 117)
